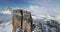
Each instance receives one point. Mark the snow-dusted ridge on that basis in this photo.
(7, 10)
(45, 17)
(6, 16)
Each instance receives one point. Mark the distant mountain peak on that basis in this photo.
(7, 10)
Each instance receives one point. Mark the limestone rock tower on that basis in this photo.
(23, 20)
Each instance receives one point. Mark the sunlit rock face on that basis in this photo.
(23, 20)
(27, 21)
(16, 20)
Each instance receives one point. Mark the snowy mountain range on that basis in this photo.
(6, 19)
(9, 11)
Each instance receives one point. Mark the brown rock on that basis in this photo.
(23, 20)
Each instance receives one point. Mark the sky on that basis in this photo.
(44, 7)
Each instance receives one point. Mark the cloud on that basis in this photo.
(48, 3)
(35, 9)
(45, 7)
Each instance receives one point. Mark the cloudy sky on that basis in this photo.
(44, 7)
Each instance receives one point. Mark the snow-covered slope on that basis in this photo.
(6, 27)
(46, 17)
(6, 20)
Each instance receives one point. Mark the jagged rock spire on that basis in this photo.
(8, 8)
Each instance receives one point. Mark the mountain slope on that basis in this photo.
(6, 20)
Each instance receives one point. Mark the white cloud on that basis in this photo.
(46, 7)
(36, 9)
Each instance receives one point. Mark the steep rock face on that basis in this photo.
(23, 20)
(17, 20)
(27, 21)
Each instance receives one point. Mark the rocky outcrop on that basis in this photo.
(23, 20)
